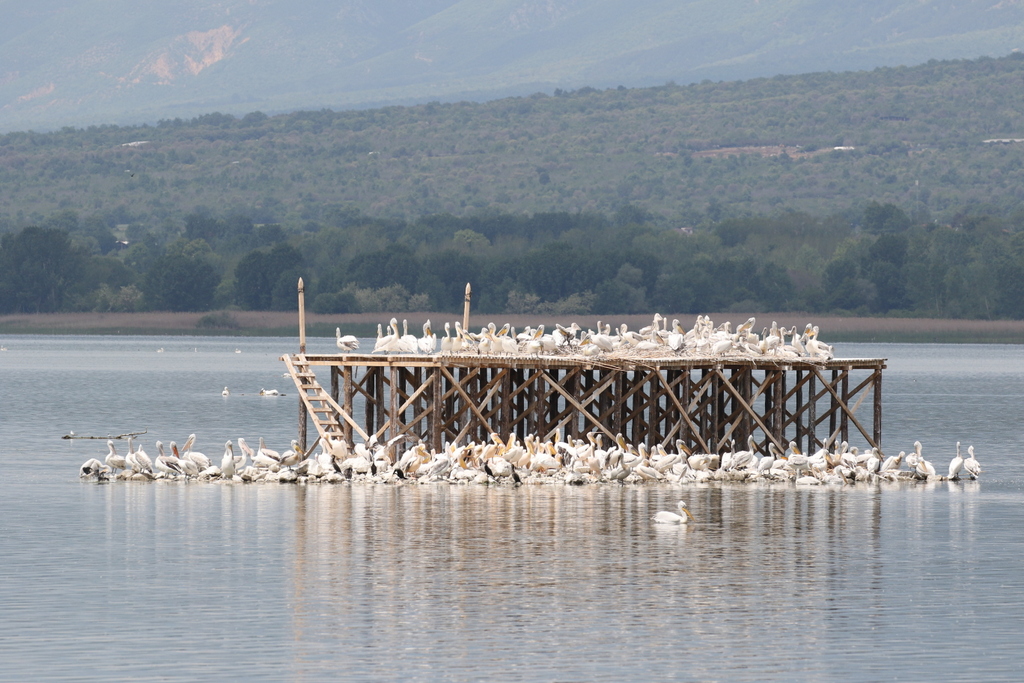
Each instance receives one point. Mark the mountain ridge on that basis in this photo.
(92, 62)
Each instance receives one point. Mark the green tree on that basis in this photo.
(178, 283)
(38, 269)
(881, 218)
(259, 272)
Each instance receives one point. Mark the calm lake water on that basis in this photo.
(163, 581)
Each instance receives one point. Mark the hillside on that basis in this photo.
(89, 62)
(715, 196)
(683, 153)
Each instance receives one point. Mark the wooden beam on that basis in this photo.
(685, 416)
(468, 400)
(757, 420)
(846, 410)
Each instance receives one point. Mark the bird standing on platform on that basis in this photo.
(346, 343)
(428, 342)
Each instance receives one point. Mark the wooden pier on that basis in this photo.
(705, 402)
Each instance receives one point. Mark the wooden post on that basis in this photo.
(346, 374)
(302, 349)
(844, 421)
(877, 431)
(833, 404)
(812, 416)
(302, 316)
(303, 422)
(465, 308)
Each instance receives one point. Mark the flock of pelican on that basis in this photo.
(532, 460)
(659, 338)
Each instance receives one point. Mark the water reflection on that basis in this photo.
(165, 580)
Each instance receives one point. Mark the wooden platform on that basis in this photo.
(705, 402)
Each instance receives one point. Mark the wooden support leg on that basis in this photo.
(877, 430)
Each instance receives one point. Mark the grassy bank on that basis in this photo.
(284, 323)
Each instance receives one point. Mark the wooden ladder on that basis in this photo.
(320, 406)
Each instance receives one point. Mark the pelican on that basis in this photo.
(269, 392)
(93, 468)
(446, 341)
(292, 456)
(227, 463)
(666, 517)
(225, 392)
(408, 343)
(266, 452)
(246, 451)
(113, 460)
(797, 460)
(971, 464)
(389, 342)
(168, 464)
(186, 464)
(140, 457)
(428, 342)
(956, 464)
(346, 343)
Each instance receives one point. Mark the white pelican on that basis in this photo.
(428, 342)
(796, 459)
(266, 452)
(200, 459)
(93, 468)
(956, 464)
(246, 451)
(113, 460)
(292, 456)
(408, 343)
(168, 464)
(186, 464)
(390, 342)
(140, 458)
(446, 341)
(346, 343)
(666, 517)
(227, 463)
(225, 392)
(269, 392)
(971, 464)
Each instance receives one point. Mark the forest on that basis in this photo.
(544, 263)
(891, 192)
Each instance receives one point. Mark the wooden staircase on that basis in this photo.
(319, 405)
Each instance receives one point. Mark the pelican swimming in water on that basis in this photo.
(269, 392)
(666, 517)
(225, 392)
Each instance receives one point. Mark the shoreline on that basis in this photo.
(285, 323)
